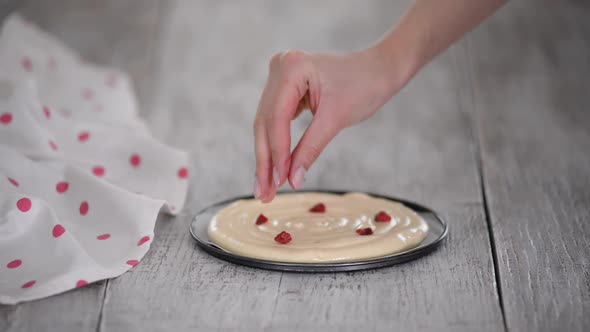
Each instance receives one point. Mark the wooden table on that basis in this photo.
(494, 133)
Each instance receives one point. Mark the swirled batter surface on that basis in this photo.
(317, 237)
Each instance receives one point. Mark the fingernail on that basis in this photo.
(298, 178)
(275, 176)
(256, 188)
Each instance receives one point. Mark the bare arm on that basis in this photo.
(428, 28)
(342, 90)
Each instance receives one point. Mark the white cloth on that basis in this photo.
(81, 179)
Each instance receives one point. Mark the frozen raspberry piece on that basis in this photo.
(382, 216)
(364, 231)
(318, 208)
(262, 219)
(283, 237)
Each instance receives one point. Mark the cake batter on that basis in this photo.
(317, 228)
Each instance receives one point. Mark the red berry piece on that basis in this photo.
(364, 231)
(318, 208)
(283, 237)
(262, 219)
(382, 216)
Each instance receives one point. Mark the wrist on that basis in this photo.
(397, 61)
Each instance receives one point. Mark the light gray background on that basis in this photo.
(495, 134)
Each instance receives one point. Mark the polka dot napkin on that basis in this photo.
(81, 179)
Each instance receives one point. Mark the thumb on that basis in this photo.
(316, 137)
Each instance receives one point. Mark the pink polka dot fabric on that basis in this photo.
(81, 179)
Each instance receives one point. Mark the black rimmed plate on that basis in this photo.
(437, 231)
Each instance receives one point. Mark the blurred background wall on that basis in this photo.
(199, 68)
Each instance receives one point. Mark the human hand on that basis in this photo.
(340, 91)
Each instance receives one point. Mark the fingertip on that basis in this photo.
(263, 178)
(280, 169)
(270, 195)
(297, 177)
(286, 168)
(280, 174)
(276, 177)
(316, 137)
(257, 190)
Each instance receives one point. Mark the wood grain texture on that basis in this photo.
(77, 310)
(530, 69)
(213, 66)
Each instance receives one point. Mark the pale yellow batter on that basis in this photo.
(317, 237)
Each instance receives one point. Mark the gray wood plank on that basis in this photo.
(531, 67)
(77, 310)
(213, 66)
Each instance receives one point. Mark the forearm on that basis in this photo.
(428, 28)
